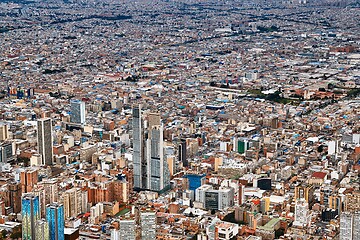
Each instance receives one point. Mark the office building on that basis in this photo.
(200, 192)
(265, 204)
(151, 170)
(350, 225)
(75, 201)
(127, 229)
(138, 150)
(219, 199)
(28, 179)
(148, 225)
(45, 141)
(182, 153)
(4, 132)
(158, 177)
(301, 213)
(6, 152)
(77, 112)
(336, 203)
(195, 180)
(51, 190)
(14, 199)
(305, 192)
(55, 219)
(42, 230)
(352, 202)
(30, 215)
(264, 183)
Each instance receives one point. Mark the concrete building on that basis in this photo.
(77, 112)
(45, 140)
(350, 226)
(151, 170)
(301, 213)
(148, 225)
(127, 230)
(4, 132)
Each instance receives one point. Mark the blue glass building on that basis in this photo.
(55, 219)
(195, 180)
(30, 211)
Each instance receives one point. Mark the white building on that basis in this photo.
(220, 230)
(127, 230)
(148, 225)
(349, 226)
(301, 213)
(200, 192)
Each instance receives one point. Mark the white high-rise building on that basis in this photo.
(77, 112)
(350, 226)
(148, 225)
(301, 213)
(45, 140)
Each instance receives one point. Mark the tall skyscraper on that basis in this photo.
(182, 153)
(77, 111)
(45, 141)
(151, 170)
(155, 171)
(350, 225)
(55, 219)
(30, 215)
(138, 149)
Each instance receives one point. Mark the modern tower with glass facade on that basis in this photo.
(30, 215)
(77, 111)
(151, 170)
(55, 219)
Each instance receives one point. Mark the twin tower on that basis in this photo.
(151, 170)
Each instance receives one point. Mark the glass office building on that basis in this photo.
(30, 215)
(55, 219)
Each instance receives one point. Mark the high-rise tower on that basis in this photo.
(45, 141)
(55, 219)
(138, 149)
(30, 215)
(151, 170)
(77, 111)
(350, 225)
(182, 153)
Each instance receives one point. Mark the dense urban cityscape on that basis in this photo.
(179, 119)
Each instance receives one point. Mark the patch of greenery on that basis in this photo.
(353, 92)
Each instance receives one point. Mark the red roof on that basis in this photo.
(321, 175)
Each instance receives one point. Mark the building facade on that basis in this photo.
(45, 140)
(350, 225)
(148, 225)
(55, 220)
(77, 112)
(30, 215)
(151, 170)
